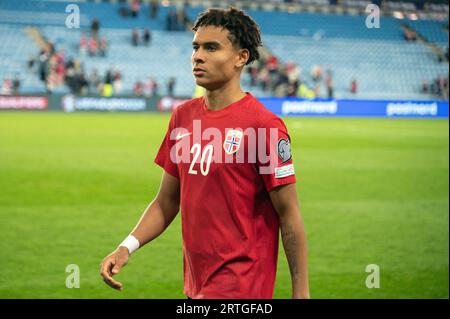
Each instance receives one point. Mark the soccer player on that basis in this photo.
(232, 179)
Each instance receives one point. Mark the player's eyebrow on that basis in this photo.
(216, 43)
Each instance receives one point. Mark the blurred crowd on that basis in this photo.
(287, 79)
(149, 87)
(55, 70)
(176, 20)
(10, 86)
(270, 74)
(137, 39)
(133, 9)
(437, 87)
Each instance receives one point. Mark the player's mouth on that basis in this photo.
(198, 71)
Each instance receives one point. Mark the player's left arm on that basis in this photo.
(284, 200)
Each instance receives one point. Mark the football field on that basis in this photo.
(72, 186)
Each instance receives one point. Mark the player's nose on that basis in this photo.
(197, 57)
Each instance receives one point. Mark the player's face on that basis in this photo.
(215, 60)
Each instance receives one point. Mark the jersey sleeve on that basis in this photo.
(163, 157)
(279, 170)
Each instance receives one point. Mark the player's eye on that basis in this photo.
(211, 48)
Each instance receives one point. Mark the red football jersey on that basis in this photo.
(227, 162)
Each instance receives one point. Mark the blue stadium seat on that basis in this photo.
(384, 65)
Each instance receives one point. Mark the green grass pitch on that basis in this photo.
(372, 191)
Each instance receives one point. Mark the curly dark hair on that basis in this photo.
(244, 32)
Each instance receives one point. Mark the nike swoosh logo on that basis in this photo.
(180, 136)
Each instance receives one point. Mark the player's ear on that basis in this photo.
(243, 56)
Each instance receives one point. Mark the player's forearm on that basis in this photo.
(295, 246)
(155, 219)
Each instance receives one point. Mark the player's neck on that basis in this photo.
(218, 99)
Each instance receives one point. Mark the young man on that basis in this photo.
(233, 197)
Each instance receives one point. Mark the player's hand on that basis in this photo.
(112, 264)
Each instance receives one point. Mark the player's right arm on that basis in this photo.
(155, 219)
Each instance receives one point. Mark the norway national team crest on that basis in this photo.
(232, 141)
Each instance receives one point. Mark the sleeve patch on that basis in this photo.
(284, 150)
(284, 171)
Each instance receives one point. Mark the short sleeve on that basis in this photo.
(278, 167)
(163, 158)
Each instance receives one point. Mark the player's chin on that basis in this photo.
(208, 84)
(200, 80)
(203, 82)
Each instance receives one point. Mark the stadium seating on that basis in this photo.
(431, 30)
(15, 49)
(383, 69)
(384, 65)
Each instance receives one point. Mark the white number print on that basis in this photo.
(205, 160)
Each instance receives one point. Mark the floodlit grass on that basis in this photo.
(72, 186)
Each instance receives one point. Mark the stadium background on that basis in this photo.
(83, 111)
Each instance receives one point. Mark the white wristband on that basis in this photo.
(131, 243)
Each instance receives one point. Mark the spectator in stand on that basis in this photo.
(264, 79)
(150, 87)
(252, 71)
(305, 92)
(329, 83)
(354, 86)
(43, 65)
(93, 46)
(281, 86)
(30, 62)
(50, 48)
(95, 28)
(198, 91)
(70, 74)
(291, 90)
(409, 35)
(135, 8)
(83, 84)
(171, 86)
(83, 46)
(316, 73)
(439, 87)
(445, 89)
(52, 79)
(109, 76)
(123, 11)
(317, 89)
(6, 87)
(182, 20)
(135, 37)
(425, 86)
(60, 67)
(94, 82)
(16, 85)
(107, 90)
(147, 37)
(171, 21)
(293, 73)
(138, 88)
(103, 47)
(117, 82)
(154, 8)
(272, 68)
